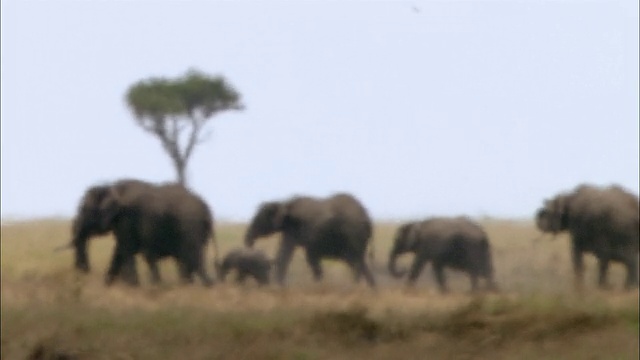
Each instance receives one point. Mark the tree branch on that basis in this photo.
(175, 134)
(149, 125)
(193, 137)
(204, 137)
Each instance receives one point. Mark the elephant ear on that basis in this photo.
(411, 236)
(280, 214)
(109, 207)
(407, 236)
(553, 216)
(561, 209)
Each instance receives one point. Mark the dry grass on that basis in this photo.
(46, 306)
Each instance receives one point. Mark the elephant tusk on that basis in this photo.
(63, 247)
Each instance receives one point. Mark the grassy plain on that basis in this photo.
(48, 309)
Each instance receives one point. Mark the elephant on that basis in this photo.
(337, 226)
(455, 242)
(247, 262)
(601, 220)
(157, 220)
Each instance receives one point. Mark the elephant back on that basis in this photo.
(130, 191)
(188, 207)
(452, 227)
(347, 206)
(604, 209)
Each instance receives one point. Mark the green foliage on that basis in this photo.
(155, 98)
(159, 97)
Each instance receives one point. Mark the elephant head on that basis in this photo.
(95, 215)
(553, 216)
(268, 220)
(404, 241)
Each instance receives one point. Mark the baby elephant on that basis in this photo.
(246, 262)
(454, 242)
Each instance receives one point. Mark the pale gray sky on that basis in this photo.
(465, 107)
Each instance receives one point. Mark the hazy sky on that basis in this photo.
(456, 107)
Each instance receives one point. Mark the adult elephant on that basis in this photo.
(165, 220)
(334, 227)
(455, 242)
(603, 221)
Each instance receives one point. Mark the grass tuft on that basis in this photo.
(349, 325)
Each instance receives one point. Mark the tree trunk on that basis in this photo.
(171, 143)
(181, 170)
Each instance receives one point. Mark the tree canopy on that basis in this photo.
(177, 110)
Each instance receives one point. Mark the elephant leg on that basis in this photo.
(204, 277)
(491, 285)
(487, 274)
(603, 270)
(361, 268)
(152, 262)
(129, 272)
(314, 262)
(262, 278)
(416, 269)
(114, 266)
(123, 255)
(202, 273)
(241, 276)
(222, 271)
(82, 260)
(186, 273)
(438, 271)
(283, 259)
(632, 273)
(119, 258)
(578, 266)
(192, 260)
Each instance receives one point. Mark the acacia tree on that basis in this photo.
(177, 110)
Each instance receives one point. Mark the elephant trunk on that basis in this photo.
(82, 260)
(249, 239)
(393, 268)
(64, 247)
(79, 243)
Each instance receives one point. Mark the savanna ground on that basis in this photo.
(48, 310)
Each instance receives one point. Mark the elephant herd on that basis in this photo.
(169, 220)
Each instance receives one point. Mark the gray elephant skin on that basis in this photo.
(156, 220)
(247, 262)
(337, 227)
(601, 220)
(455, 242)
